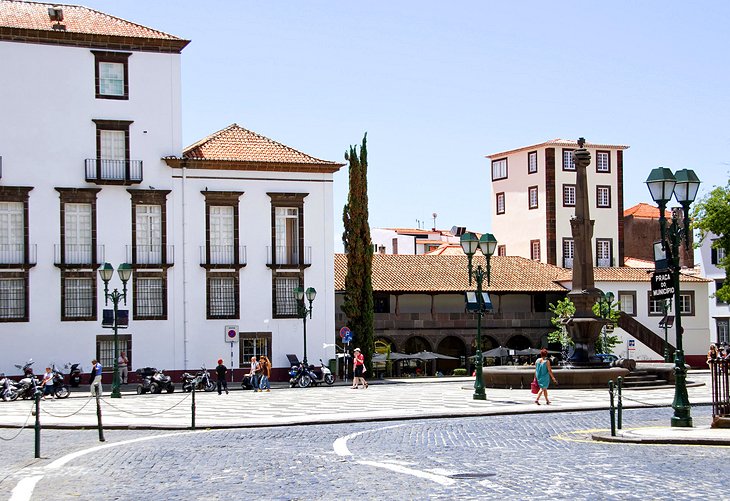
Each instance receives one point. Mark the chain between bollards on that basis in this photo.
(613, 409)
(620, 403)
(98, 413)
(37, 423)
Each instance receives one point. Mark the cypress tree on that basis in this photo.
(358, 304)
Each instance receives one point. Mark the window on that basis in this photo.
(568, 252)
(532, 197)
(656, 306)
(287, 229)
(12, 232)
(221, 234)
(13, 297)
(499, 169)
(717, 253)
(223, 295)
(253, 344)
(603, 253)
(78, 296)
(501, 250)
(105, 350)
(78, 246)
(111, 75)
(150, 296)
(718, 285)
(532, 162)
(568, 160)
(603, 197)
(687, 303)
(381, 303)
(603, 161)
(627, 302)
(568, 195)
(723, 330)
(112, 164)
(285, 304)
(148, 226)
(535, 250)
(500, 203)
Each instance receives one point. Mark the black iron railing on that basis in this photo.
(720, 389)
(113, 171)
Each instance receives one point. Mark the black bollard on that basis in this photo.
(98, 414)
(193, 406)
(37, 424)
(613, 409)
(620, 403)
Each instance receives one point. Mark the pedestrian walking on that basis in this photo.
(221, 371)
(358, 369)
(254, 373)
(543, 374)
(95, 382)
(47, 383)
(123, 367)
(265, 364)
(712, 354)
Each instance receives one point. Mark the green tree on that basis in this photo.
(358, 303)
(711, 214)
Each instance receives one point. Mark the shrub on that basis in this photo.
(460, 372)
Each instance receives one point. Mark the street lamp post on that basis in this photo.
(487, 244)
(304, 311)
(684, 184)
(604, 309)
(666, 307)
(106, 272)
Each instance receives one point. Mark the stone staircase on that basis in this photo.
(644, 379)
(643, 334)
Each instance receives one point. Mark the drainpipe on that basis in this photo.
(184, 269)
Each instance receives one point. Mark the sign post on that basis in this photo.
(346, 336)
(231, 337)
(631, 347)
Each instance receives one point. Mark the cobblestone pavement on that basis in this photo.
(528, 456)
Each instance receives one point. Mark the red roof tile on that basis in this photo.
(24, 17)
(643, 210)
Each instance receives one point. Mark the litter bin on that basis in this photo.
(332, 364)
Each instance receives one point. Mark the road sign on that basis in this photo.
(231, 333)
(662, 285)
(344, 332)
(632, 344)
(348, 337)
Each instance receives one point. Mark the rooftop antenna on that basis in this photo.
(434, 215)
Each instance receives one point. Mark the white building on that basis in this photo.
(93, 170)
(412, 240)
(533, 190)
(719, 311)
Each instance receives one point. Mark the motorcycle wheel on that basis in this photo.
(140, 390)
(13, 396)
(210, 386)
(155, 388)
(171, 388)
(187, 388)
(62, 392)
(305, 381)
(329, 379)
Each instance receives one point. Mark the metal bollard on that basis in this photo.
(193, 406)
(98, 414)
(37, 424)
(620, 403)
(613, 409)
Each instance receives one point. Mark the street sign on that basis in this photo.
(632, 344)
(662, 285)
(348, 337)
(344, 332)
(231, 333)
(609, 328)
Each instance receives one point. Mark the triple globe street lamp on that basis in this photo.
(106, 272)
(481, 303)
(684, 185)
(304, 311)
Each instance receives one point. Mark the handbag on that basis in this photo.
(534, 387)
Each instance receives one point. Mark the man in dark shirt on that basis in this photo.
(221, 371)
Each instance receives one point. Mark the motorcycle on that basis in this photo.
(74, 375)
(201, 381)
(29, 384)
(153, 381)
(321, 375)
(60, 388)
(299, 376)
(8, 388)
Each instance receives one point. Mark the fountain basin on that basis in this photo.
(577, 377)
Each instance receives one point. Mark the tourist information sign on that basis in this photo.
(662, 285)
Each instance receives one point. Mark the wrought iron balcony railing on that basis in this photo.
(288, 256)
(160, 255)
(222, 256)
(18, 254)
(78, 254)
(102, 171)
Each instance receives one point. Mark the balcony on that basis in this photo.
(151, 256)
(123, 172)
(222, 256)
(288, 256)
(78, 255)
(18, 255)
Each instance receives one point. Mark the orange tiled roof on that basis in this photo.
(21, 19)
(644, 210)
(567, 143)
(625, 274)
(448, 273)
(447, 250)
(239, 145)
(632, 262)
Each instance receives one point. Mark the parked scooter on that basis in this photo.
(60, 388)
(8, 388)
(153, 381)
(29, 384)
(299, 376)
(201, 381)
(74, 375)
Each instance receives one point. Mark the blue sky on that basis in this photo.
(438, 85)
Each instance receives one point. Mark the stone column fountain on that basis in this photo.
(584, 327)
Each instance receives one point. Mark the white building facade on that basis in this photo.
(719, 311)
(93, 171)
(533, 200)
